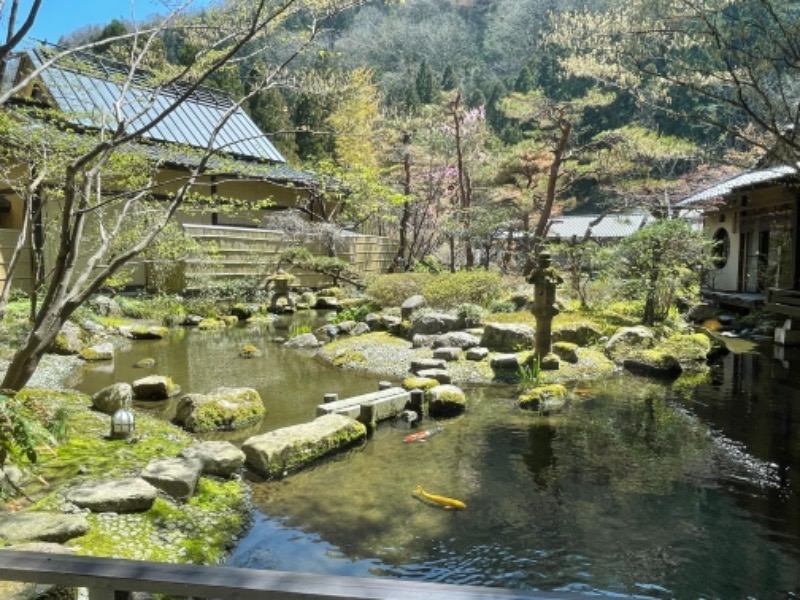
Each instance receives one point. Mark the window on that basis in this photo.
(721, 248)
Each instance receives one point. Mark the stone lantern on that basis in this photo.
(281, 283)
(544, 279)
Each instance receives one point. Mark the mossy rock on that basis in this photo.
(566, 351)
(653, 363)
(446, 401)
(210, 324)
(148, 332)
(545, 398)
(249, 351)
(224, 409)
(419, 383)
(349, 358)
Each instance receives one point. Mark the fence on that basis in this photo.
(236, 253)
(114, 579)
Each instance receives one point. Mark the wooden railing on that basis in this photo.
(115, 579)
(783, 302)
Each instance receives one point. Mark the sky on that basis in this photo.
(59, 17)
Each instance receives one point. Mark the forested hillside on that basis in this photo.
(460, 121)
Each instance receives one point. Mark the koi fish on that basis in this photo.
(421, 436)
(444, 501)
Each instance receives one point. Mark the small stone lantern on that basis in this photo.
(123, 424)
(281, 283)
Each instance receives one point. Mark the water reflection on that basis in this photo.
(636, 488)
(627, 492)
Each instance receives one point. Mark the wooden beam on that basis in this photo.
(109, 579)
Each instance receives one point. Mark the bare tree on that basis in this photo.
(97, 207)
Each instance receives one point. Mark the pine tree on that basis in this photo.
(449, 79)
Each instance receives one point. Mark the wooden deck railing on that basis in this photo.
(114, 579)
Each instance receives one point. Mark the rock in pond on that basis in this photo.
(223, 409)
(154, 387)
(275, 453)
(446, 401)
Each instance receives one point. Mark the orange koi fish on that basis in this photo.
(443, 501)
(421, 436)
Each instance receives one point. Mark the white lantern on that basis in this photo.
(123, 424)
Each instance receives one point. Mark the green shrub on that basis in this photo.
(448, 290)
(393, 289)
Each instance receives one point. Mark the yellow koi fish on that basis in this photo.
(447, 503)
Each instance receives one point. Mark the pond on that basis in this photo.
(637, 488)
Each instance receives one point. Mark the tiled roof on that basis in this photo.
(86, 88)
(747, 179)
(610, 227)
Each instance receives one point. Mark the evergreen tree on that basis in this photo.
(524, 82)
(449, 79)
(476, 99)
(494, 114)
(310, 139)
(411, 100)
(426, 84)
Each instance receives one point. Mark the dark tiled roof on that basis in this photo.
(610, 227)
(86, 88)
(747, 179)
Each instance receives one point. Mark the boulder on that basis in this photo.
(546, 398)
(422, 341)
(176, 476)
(113, 397)
(653, 363)
(566, 351)
(148, 332)
(360, 329)
(219, 458)
(446, 401)
(98, 352)
(627, 339)
(10, 480)
(305, 340)
(345, 326)
(375, 322)
(477, 354)
(154, 387)
(447, 354)
(242, 311)
(508, 337)
(456, 339)
(421, 364)
(128, 495)
(68, 341)
(145, 363)
(278, 452)
(327, 303)
(505, 361)
(411, 305)
(104, 306)
(434, 323)
(223, 409)
(249, 351)
(42, 527)
(440, 375)
(581, 334)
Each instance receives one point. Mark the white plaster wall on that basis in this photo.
(726, 278)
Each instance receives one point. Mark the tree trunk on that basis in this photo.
(550, 197)
(27, 358)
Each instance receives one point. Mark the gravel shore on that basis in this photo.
(52, 372)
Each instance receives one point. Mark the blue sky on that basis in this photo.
(59, 17)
